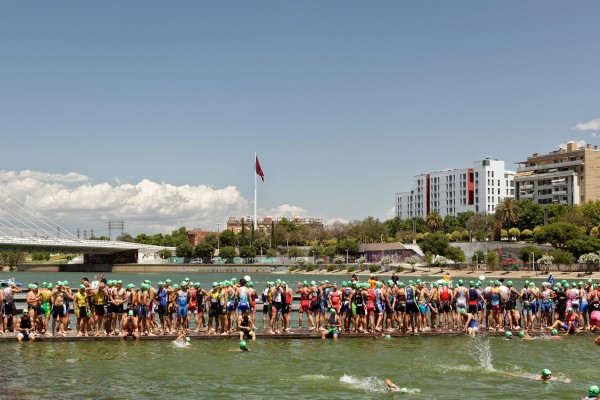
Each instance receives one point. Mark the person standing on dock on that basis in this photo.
(99, 301)
(304, 305)
(10, 310)
(183, 300)
(58, 310)
(33, 305)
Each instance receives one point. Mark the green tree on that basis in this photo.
(349, 245)
(525, 253)
(11, 258)
(227, 253)
(227, 238)
(165, 253)
(463, 218)
(329, 251)
(455, 254)
(514, 232)
(558, 234)
(184, 249)
(261, 245)
(478, 257)
(583, 245)
(507, 212)
(242, 234)
(435, 243)
(125, 237)
(562, 257)
(211, 239)
(204, 250)
(491, 259)
(294, 252)
(591, 210)
(531, 214)
(248, 252)
(434, 221)
(451, 224)
(271, 253)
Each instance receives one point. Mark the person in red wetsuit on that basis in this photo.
(334, 298)
(304, 305)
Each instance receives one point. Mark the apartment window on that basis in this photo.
(498, 182)
(498, 190)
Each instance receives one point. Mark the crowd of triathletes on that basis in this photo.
(108, 307)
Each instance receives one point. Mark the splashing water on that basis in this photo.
(370, 384)
(316, 377)
(482, 353)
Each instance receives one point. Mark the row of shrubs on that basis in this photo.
(352, 268)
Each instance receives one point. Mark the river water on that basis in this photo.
(429, 367)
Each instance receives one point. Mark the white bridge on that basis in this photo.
(23, 228)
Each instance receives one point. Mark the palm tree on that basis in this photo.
(507, 212)
(434, 221)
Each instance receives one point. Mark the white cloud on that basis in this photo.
(593, 125)
(332, 221)
(285, 210)
(579, 143)
(391, 213)
(73, 202)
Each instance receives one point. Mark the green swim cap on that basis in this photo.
(435, 284)
(594, 391)
(508, 334)
(460, 282)
(509, 283)
(590, 280)
(462, 311)
(130, 286)
(546, 372)
(331, 311)
(521, 334)
(554, 332)
(326, 281)
(471, 283)
(243, 345)
(566, 285)
(82, 286)
(34, 286)
(580, 283)
(555, 288)
(418, 281)
(531, 284)
(595, 286)
(188, 339)
(168, 281)
(175, 286)
(526, 283)
(278, 281)
(387, 337)
(403, 390)
(313, 283)
(570, 309)
(59, 283)
(50, 286)
(411, 282)
(250, 284)
(29, 286)
(66, 283)
(215, 284)
(197, 284)
(400, 284)
(379, 284)
(130, 313)
(25, 311)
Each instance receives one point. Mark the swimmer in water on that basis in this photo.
(393, 388)
(593, 393)
(183, 341)
(545, 376)
(243, 347)
(525, 335)
(508, 335)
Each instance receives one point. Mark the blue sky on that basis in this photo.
(344, 101)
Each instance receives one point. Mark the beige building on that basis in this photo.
(570, 175)
(264, 224)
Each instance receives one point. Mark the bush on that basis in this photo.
(330, 268)
(351, 269)
(292, 268)
(374, 268)
(399, 268)
(310, 268)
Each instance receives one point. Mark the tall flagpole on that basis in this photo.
(255, 190)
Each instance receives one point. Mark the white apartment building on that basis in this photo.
(453, 191)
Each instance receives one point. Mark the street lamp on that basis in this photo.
(532, 262)
(346, 256)
(218, 236)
